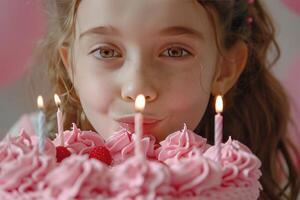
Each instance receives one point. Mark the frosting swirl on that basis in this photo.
(179, 144)
(77, 177)
(80, 142)
(239, 166)
(194, 174)
(24, 143)
(24, 172)
(141, 179)
(121, 145)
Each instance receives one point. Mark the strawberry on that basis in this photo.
(101, 153)
(62, 153)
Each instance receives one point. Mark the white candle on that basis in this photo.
(59, 120)
(218, 126)
(41, 124)
(138, 123)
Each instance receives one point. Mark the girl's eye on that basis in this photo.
(105, 53)
(176, 52)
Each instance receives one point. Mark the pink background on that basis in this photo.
(21, 25)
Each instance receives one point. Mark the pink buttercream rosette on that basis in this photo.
(194, 174)
(22, 167)
(240, 168)
(77, 177)
(80, 142)
(25, 143)
(179, 144)
(138, 178)
(121, 146)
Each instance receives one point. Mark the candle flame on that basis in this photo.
(57, 100)
(140, 102)
(40, 102)
(219, 104)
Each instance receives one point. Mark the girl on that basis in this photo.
(101, 54)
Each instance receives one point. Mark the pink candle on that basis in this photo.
(219, 126)
(138, 123)
(59, 120)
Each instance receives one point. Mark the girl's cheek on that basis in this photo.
(95, 92)
(191, 104)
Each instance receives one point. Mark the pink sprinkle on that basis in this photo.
(251, 1)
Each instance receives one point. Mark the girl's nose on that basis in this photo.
(133, 88)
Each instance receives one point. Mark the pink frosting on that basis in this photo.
(231, 193)
(80, 142)
(77, 177)
(180, 144)
(121, 146)
(22, 167)
(25, 171)
(194, 174)
(185, 168)
(49, 146)
(240, 167)
(12, 148)
(15, 195)
(137, 178)
(25, 143)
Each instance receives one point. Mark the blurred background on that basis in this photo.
(22, 23)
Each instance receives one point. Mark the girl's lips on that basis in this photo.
(148, 123)
(130, 120)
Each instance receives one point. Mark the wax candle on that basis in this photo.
(41, 124)
(59, 119)
(138, 123)
(219, 126)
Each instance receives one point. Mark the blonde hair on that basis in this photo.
(257, 110)
(61, 32)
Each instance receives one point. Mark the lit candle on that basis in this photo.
(138, 123)
(59, 119)
(218, 126)
(41, 124)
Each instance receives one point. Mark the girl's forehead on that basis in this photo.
(138, 16)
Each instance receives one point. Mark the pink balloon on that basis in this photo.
(20, 27)
(294, 5)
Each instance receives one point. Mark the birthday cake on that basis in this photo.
(85, 166)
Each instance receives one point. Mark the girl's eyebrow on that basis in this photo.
(169, 31)
(182, 30)
(101, 30)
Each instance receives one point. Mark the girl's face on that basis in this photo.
(162, 49)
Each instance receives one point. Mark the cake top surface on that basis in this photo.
(183, 166)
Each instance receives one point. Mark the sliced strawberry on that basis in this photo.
(101, 153)
(62, 153)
